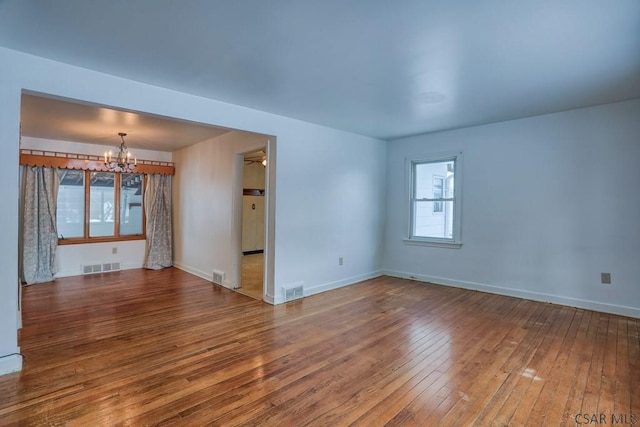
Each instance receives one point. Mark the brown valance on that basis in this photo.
(54, 159)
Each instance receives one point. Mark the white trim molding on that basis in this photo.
(196, 272)
(312, 290)
(519, 293)
(421, 242)
(268, 299)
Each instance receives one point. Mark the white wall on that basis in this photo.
(203, 198)
(70, 258)
(333, 196)
(330, 184)
(9, 141)
(333, 191)
(549, 203)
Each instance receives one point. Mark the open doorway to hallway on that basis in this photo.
(253, 224)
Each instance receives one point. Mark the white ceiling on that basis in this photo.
(375, 67)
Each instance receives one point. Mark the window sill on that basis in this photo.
(433, 243)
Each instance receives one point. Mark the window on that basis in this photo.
(99, 206)
(131, 196)
(434, 205)
(438, 194)
(70, 209)
(102, 192)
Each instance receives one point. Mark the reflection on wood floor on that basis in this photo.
(163, 347)
(252, 275)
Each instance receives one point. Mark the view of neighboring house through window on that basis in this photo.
(434, 201)
(99, 206)
(438, 194)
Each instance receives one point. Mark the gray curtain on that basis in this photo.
(39, 234)
(157, 199)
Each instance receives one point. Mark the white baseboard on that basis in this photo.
(208, 276)
(312, 290)
(268, 299)
(519, 293)
(10, 363)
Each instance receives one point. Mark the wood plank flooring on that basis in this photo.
(252, 276)
(145, 347)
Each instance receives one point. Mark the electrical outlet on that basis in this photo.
(605, 278)
(340, 261)
(114, 250)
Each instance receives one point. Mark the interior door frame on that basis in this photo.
(269, 217)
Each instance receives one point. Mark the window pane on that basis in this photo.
(102, 204)
(70, 206)
(438, 193)
(428, 223)
(131, 204)
(424, 178)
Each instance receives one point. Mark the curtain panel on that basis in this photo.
(39, 233)
(159, 248)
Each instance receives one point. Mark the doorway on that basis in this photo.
(253, 224)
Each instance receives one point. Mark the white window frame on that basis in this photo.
(454, 242)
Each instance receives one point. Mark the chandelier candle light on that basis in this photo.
(122, 162)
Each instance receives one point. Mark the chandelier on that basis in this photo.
(122, 161)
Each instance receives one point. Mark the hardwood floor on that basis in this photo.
(166, 348)
(252, 276)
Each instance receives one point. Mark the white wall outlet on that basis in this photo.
(340, 261)
(605, 278)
